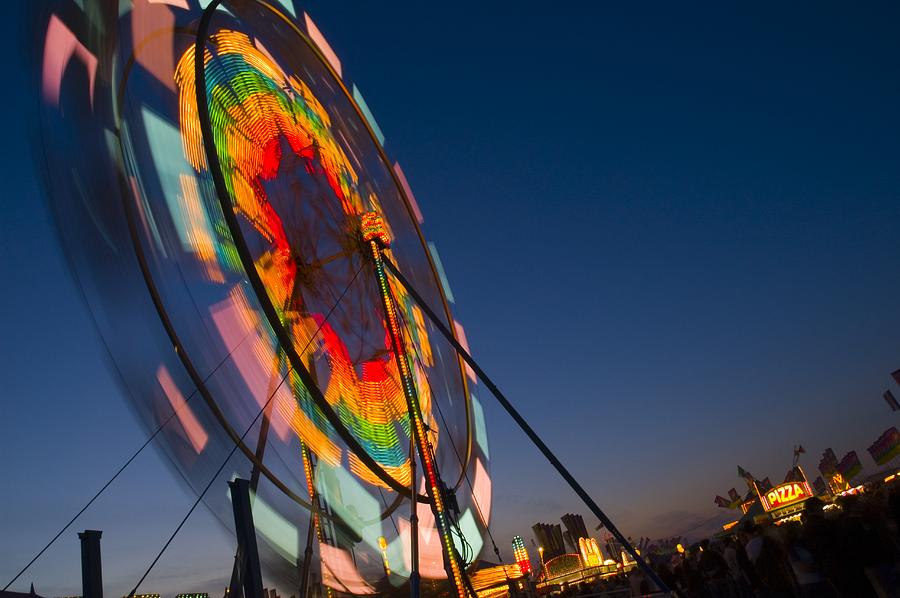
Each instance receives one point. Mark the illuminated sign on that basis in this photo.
(785, 494)
(590, 552)
(520, 554)
(729, 525)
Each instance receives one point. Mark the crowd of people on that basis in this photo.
(850, 549)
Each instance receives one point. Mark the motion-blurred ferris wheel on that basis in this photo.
(228, 210)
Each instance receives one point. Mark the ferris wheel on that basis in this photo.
(255, 266)
(227, 205)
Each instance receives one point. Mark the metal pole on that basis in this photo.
(307, 557)
(313, 521)
(413, 526)
(91, 566)
(246, 537)
(529, 431)
(234, 586)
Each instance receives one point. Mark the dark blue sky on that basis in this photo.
(671, 232)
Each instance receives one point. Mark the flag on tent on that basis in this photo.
(733, 495)
(896, 376)
(743, 473)
(849, 466)
(891, 401)
(886, 447)
(765, 484)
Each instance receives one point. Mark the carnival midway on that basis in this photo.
(836, 536)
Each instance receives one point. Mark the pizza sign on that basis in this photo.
(785, 494)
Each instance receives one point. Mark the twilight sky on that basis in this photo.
(671, 233)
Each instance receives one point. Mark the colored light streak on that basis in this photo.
(482, 488)
(60, 46)
(461, 336)
(407, 190)
(339, 571)
(348, 498)
(431, 547)
(364, 108)
(280, 533)
(322, 43)
(189, 422)
(470, 531)
(153, 50)
(439, 266)
(198, 228)
(481, 436)
(254, 357)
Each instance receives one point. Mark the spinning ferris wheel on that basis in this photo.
(255, 266)
(223, 191)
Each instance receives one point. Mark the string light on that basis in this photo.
(520, 555)
(377, 238)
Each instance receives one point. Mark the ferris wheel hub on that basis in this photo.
(373, 229)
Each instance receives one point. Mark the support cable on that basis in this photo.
(237, 444)
(391, 516)
(156, 432)
(528, 430)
